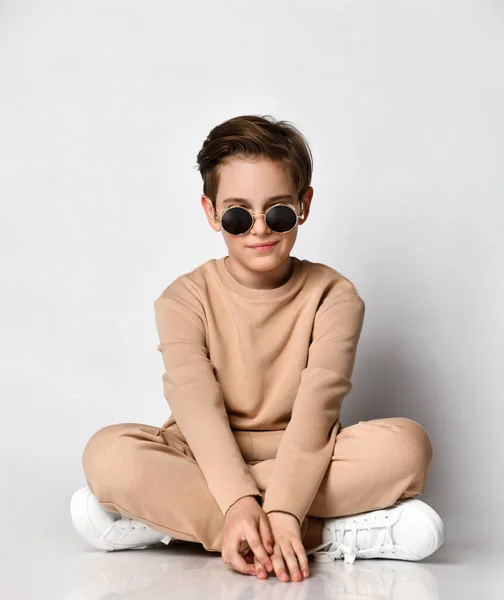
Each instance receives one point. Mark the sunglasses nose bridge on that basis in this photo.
(254, 220)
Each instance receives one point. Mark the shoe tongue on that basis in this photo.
(366, 538)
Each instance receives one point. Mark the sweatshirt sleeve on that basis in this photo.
(196, 401)
(307, 445)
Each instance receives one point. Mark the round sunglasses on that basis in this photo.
(281, 218)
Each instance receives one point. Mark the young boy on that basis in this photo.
(258, 348)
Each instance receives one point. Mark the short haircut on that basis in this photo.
(255, 136)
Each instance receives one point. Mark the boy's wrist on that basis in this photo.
(243, 500)
(282, 512)
(285, 512)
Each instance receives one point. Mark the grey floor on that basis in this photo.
(69, 569)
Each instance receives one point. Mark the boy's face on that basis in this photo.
(256, 181)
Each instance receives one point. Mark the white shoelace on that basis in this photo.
(353, 546)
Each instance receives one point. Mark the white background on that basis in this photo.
(103, 109)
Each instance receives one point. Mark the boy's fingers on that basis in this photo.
(278, 564)
(292, 562)
(240, 564)
(266, 534)
(302, 558)
(237, 562)
(259, 569)
(255, 543)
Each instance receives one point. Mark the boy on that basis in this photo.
(259, 348)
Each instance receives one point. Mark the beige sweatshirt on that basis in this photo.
(247, 359)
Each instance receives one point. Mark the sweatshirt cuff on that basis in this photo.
(230, 493)
(270, 510)
(286, 503)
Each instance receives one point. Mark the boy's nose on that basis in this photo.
(260, 225)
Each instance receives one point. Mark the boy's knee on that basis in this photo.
(415, 447)
(106, 461)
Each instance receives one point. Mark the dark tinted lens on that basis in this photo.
(281, 218)
(236, 220)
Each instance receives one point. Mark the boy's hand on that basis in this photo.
(287, 546)
(247, 525)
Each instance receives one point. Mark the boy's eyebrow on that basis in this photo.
(272, 199)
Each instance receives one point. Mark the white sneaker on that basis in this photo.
(408, 530)
(107, 530)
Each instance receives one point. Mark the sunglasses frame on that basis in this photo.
(253, 215)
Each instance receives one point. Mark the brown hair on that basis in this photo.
(255, 136)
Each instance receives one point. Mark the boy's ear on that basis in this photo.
(307, 198)
(207, 205)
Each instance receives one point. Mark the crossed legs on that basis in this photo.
(150, 474)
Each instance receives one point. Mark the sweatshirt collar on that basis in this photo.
(242, 290)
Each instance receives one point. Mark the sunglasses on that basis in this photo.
(281, 218)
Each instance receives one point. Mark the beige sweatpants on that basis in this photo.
(150, 474)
